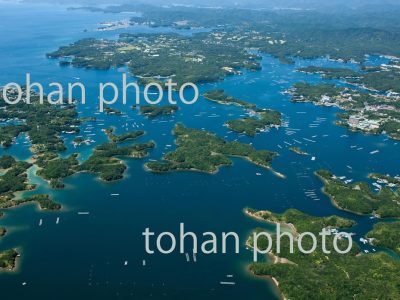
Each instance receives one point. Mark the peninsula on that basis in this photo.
(320, 275)
(372, 113)
(358, 197)
(386, 235)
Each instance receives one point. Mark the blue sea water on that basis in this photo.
(84, 255)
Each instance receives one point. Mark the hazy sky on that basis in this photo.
(312, 4)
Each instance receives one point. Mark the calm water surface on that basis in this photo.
(84, 255)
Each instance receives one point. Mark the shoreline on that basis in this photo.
(336, 205)
(257, 217)
(270, 279)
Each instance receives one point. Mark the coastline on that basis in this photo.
(257, 217)
(271, 280)
(335, 204)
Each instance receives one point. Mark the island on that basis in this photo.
(123, 137)
(153, 111)
(200, 150)
(3, 231)
(201, 57)
(221, 97)
(258, 121)
(261, 120)
(320, 275)
(386, 235)
(298, 151)
(112, 111)
(358, 197)
(7, 259)
(106, 161)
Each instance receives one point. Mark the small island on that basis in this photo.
(106, 161)
(112, 111)
(298, 151)
(262, 119)
(220, 97)
(153, 111)
(7, 259)
(200, 150)
(123, 137)
(358, 197)
(320, 275)
(3, 231)
(258, 121)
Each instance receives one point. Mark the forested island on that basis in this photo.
(3, 231)
(7, 259)
(153, 111)
(200, 150)
(112, 111)
(358, 197)
(221, 97)
(110, 132)
(106, 161)
(320, 275)
(259, 119)
(298, 151)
